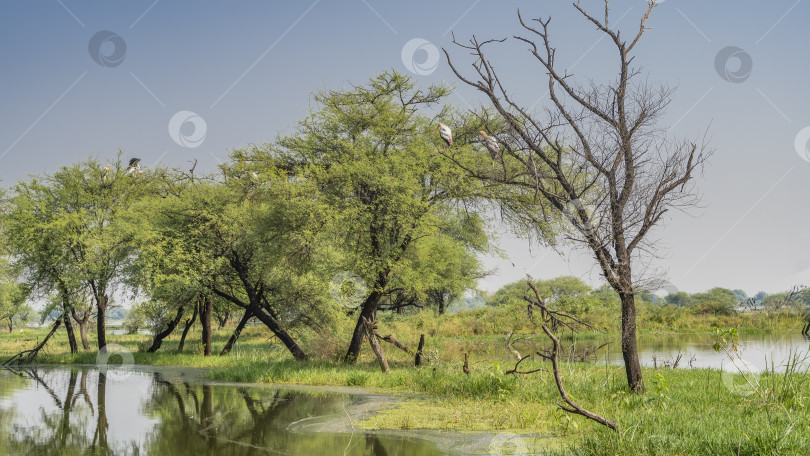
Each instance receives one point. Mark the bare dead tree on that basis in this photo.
(549, 315)
(597, 161)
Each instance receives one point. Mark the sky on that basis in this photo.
(176, 81)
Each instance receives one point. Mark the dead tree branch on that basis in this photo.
(26, 356)
(548, 315)
(370, 326)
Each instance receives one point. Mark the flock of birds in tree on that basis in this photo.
(490, 142)
(444, 131)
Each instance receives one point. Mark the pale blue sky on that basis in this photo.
(247, 69)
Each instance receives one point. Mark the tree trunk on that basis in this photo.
(10, 325)
(206, 308)
(440, 300)
(238, 331)
(283, 335)
(418, 358)
(101, 324)
(268, 317)
(629, 345)
(158, 340)
(368, 312)
(74, 348)
(189, 323)
(100, 437)
(82, 322)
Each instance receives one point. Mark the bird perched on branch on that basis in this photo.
(106, 175)
(492, 145)
(134, 166)
(445, 133)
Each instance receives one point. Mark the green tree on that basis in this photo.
(717, 301)
(243, 238)
(680, 299)
(67, 233)
(373, 155)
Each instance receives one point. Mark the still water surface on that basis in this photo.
(697, 351)
(63, 411)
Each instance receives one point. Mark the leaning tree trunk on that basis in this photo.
(236, 333)
(629, 345)
(101, 324)
(189, 324)
(206, 308)
(368, 311)
(280, 332)
(170, 327)
(74, 348)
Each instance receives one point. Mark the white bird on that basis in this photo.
(492, 145)
(445, 133)
(106, 175)
(134, 166)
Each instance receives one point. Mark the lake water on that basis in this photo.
(696, 350)
(61, 411)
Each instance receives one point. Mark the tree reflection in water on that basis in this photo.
(52, 411)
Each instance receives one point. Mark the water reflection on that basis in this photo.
(70, 411)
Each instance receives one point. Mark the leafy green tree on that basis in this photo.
(717, 301)
(373, 155)
(565, 293)
(440, 268)
(245, 240)
(680, 299)
(67, 234)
